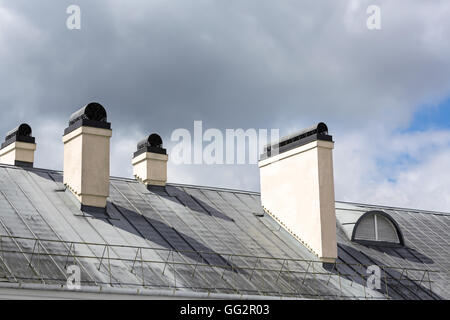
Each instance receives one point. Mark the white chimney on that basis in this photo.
(150, 161)
(297, 188)
(18, 148)
(86, 155)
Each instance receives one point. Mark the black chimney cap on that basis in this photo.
(22, 133)
(153, 143)
(318, 131)
(91, 115)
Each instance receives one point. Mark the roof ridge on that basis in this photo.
(422, 211)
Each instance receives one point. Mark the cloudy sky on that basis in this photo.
(158, 65)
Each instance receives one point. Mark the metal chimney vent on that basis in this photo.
(22, 133)
(299, 138)
(93, 111)
(91, 115)
(153, 143)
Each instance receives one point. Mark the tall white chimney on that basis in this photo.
(297, 188)
(18, 148)
(86, 155)
(150, 161)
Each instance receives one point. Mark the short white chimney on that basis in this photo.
(297, 188)
(86, 155)
(18, 148)
(150, 161)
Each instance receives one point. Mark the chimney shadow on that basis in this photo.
(163, 235)
(401, 285)
(189, 201)
(406, 253)
(56, 177)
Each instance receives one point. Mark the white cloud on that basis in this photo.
(49, 150)
(395, 169)
(123, 145)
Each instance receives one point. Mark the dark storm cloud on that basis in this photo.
(163, 64)
(160, 65)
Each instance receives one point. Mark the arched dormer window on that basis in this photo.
(377, 228)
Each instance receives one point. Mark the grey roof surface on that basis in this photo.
(202, 239)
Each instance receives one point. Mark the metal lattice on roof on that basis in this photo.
(203, 240)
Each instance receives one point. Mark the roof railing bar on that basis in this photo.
(32, 255)
(281, 269)
(331, 273)
(142, 269)
(163, 249)
(209, 265)
(167, 260)
(108, 258)
(423, 276)
(39, 257)
(363, 284)
(309, 263)
(36, 244)
(401, 275)
(224, 269)
(414, 282)
(386, 283)
(253, 270)
(134, 260)
(234, 273)
(2, 258)
(208, 252)
(18, 246)
(292, 286)
(38, 211)
(259, 269)
(101, 259)
(28, 227)
(32, 252)
(429, 283)
(313, 271)
(357, 268)
(232, 265)
(109, 267)
(214, 283)
(174, 273)
(198, 258)
(68, 254)
(149, 222)
(237, 268)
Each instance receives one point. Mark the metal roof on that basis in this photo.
(202, 240)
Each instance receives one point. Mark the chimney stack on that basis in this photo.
(86, 155)
(150, 161)
(18, 148)
(297, 188)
